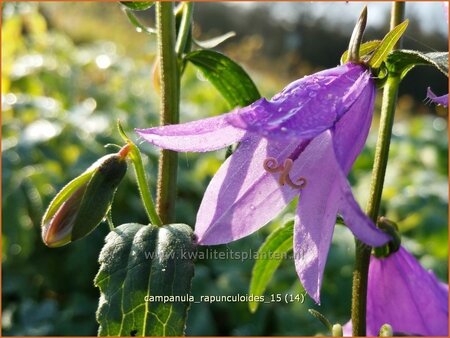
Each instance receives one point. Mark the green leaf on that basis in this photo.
(269, 258)
(387, 44)
(135, 21)
(364, 49)
(227, 76)
(214, 42)
(138, 5)
(140, 261)
(402, 61)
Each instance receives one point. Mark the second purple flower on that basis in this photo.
(302, 142)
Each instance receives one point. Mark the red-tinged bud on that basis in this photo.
(82, 204)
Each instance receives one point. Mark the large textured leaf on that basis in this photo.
(270, 256)
(227, 76)
(402, 61)
(140, 261)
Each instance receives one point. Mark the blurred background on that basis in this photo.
(69, 70)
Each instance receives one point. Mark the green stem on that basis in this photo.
(363, 251)
(169, 108)
(135, 156)
(185, 28)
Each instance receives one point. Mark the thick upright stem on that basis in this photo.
(362, 259)
(169, 108)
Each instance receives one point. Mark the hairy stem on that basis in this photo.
(362, 255)
(169, 108)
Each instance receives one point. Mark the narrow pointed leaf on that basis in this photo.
(214, 42)
(402, 61)
(366, 48)
(230, 79)
(138, 5)
(387, 44)
(140, 261)
(270, 255)
(135, 21)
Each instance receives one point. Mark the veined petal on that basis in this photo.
(442, 100)
(307, 106)
(350, 132)
(326, 192)
(242, 196)
(316, 213)
(203, 135)
(402, 293)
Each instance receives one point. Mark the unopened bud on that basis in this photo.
(81, 205)
(386, 331)
(337, 331)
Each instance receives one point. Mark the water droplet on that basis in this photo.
(312, 94)
(283, 129)
(139, 29)
(252, 207)
(163, 270)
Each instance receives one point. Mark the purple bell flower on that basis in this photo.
(406, 296)
(302, 142)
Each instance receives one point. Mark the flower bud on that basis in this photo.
(386, 331)
(82, 204)
(336, 331)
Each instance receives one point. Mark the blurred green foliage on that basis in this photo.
(61, 96)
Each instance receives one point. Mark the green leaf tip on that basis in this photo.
(387, 45)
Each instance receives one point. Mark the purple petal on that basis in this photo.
(204, 135)
(242, 196)
(356, 220)
(326, 192)
(307, 106)
(402, 293)
(442, 100)
(350, 133)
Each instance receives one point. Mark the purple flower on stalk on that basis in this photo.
(442, 100)
(302, 142)
(406, 296)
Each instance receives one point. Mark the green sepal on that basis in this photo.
(393, 245)
(139, 261)
(99, 195)
(277, 244)
(364, 51)
(324, 320)
(387, 45)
